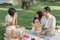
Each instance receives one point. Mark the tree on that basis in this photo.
(52, 0)
(25, 4)
(34, 1)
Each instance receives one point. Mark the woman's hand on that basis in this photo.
(14, 19)
(15, 15)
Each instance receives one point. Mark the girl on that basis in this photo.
(37, 19)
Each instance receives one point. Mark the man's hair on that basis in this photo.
(47, 9)
(11, 11)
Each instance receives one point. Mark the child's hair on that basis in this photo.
(11, 11)
(39, 14)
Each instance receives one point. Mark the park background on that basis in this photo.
(25, 16)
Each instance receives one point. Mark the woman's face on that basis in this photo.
(14, 14)
(37, 15)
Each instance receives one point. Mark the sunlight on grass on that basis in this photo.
(55, 7)
(3, 8)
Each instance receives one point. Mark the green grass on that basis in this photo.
(25, 17)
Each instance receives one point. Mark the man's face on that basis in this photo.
(44, 12)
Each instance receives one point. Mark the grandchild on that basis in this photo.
(37, 20)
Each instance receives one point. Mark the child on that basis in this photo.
(37, 20)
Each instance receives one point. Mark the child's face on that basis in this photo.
(37, 15)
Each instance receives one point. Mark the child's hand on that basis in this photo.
(43, 32)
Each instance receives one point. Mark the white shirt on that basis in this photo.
(8, 29)
(33, 28)
(37, 21)
(51, 21)
(8, 19)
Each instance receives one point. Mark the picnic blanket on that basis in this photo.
(34, 36)
(56, 37)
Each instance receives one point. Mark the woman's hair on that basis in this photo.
(39, 13)
(11, 11)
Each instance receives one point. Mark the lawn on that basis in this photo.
(25, 17)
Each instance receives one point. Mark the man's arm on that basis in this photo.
(53, 24)
(52, 27)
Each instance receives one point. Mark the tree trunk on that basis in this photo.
(52, 0)
(25, 4)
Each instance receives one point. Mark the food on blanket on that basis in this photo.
(25, 36)
(37, 25)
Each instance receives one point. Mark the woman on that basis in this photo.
(11, 20)
(37, 19)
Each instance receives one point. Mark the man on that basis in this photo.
(48, 22)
